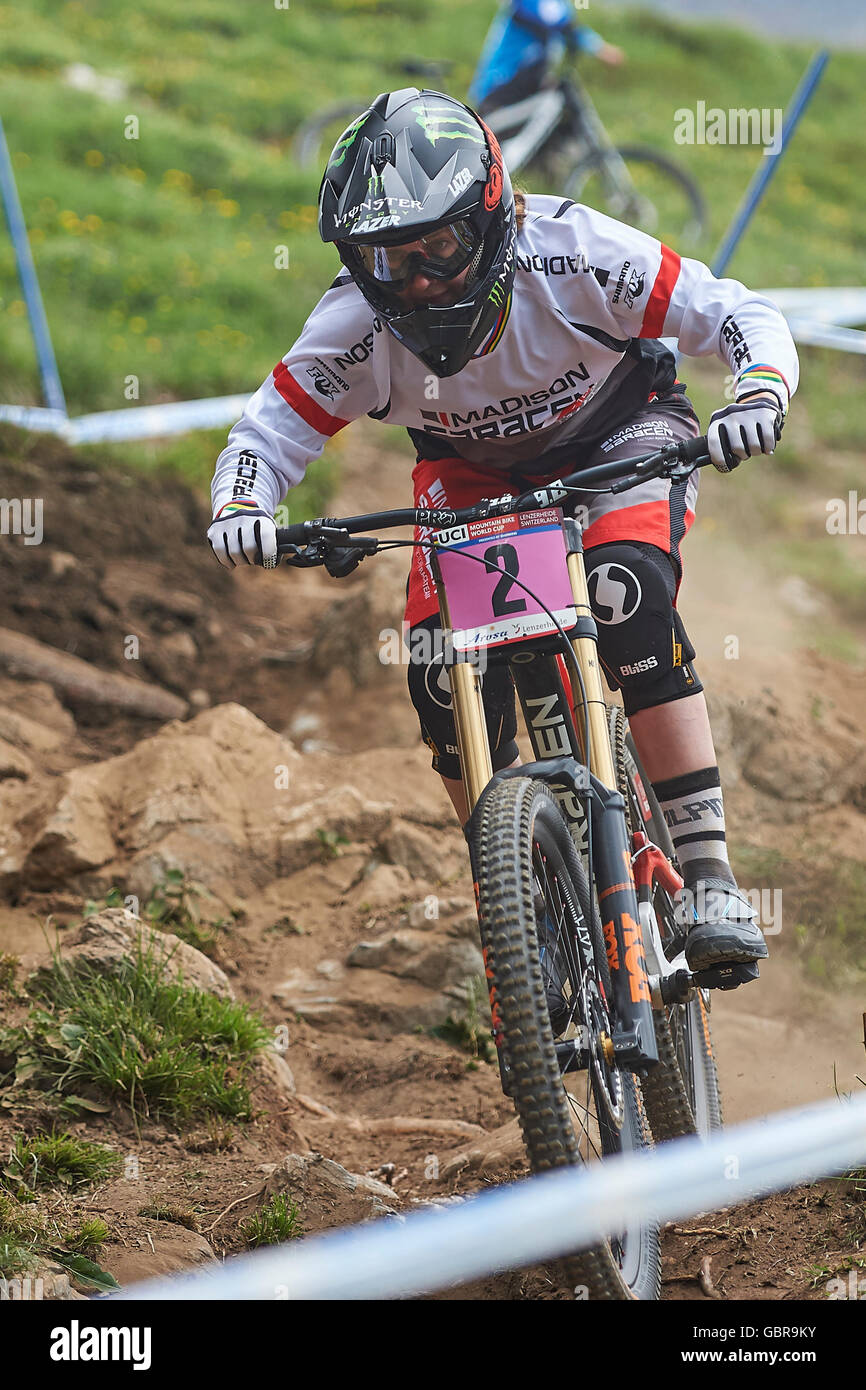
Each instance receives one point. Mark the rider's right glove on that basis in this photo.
(242, 533)
(749, 426)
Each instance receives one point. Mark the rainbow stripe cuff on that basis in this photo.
(246, 504)
(763, 377)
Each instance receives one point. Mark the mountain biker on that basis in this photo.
(516, 338)
(525, 41)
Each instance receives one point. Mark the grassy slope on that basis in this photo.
(156, 255)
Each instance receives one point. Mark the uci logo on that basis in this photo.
(614, 593)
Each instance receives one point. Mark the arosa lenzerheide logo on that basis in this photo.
(614, 593)
(493, 186)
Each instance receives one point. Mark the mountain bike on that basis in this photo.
(556, 140)
(602, 1034)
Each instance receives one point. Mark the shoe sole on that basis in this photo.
(720, 954)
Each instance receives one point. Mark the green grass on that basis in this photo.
(32, 1234)
(277, 1221)
(160, 1048)
(156, 254)
(469, 1030)
(57, 1160)
(8, 970)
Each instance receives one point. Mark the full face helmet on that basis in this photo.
(416, 185)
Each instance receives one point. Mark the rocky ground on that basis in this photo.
(287, 789)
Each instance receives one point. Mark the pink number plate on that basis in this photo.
(487, 607)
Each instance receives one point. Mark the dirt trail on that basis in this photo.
(329, 895)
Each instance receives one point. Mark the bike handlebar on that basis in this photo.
(673, 460)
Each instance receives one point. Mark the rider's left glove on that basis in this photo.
(243, 533)
(751, 426)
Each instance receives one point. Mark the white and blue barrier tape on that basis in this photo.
(539, 1218)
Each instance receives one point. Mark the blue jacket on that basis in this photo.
(525, 32)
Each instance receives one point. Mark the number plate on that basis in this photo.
(487, 608)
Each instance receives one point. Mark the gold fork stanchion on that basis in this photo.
(472, 742)
(586, 651)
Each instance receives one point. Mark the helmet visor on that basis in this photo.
(442, 253)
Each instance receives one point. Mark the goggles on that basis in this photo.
(443, 254)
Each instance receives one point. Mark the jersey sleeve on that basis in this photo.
(328, 379)
(652, 292)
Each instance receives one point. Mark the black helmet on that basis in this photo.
(420, 163)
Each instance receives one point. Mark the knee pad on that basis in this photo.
(643, 646)
(430, 691)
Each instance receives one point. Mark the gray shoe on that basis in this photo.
(721, 925)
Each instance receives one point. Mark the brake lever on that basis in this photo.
(302, 556)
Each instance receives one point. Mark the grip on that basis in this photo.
(690, 450)
(292, 535)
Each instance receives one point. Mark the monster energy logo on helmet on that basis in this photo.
(346, 140)
(432, 119)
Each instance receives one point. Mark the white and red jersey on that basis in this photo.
(573, 356)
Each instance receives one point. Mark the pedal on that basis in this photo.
(726, 975)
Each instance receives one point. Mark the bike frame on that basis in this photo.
(526, 128)
(583, 780)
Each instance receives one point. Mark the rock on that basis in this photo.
(414, 848)
(179, 646)
(173, 1252)
(327, 1194)
(367, 999)
(316, 827)
(13, 763)
(434, 961)
(109, 940)
(60, 562)
(48, 1283)
(199, 699)
(25, 733)
(75, 837)
(193, 797)
(44, 711)
(273, 1067)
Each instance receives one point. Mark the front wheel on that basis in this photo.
(642, 188)
(549, 991)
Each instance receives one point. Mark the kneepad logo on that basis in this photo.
(437, 683)
(646, 663)
(614, 593)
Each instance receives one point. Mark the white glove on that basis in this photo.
(747, 427)
(247, 535)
